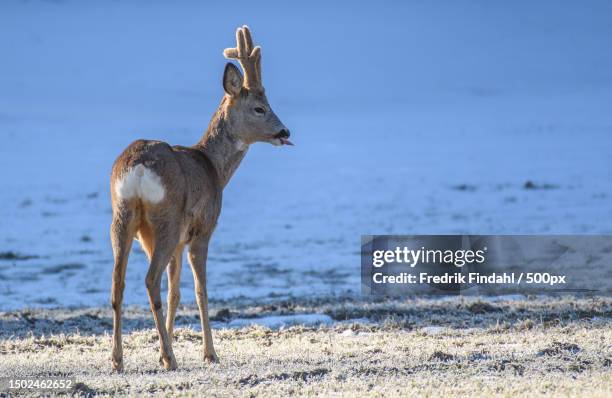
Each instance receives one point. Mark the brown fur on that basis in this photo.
(193, 179)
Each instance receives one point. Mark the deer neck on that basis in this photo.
(221, 147)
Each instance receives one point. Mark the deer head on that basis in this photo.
(247, 107)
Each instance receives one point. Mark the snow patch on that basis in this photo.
(432, 330)
(507, 297)
(279, 321)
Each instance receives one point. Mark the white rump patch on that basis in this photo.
(142, 183)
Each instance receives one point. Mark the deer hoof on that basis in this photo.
(117, 366)
(211, 358)
(169, 364)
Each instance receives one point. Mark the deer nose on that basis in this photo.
(284, 133)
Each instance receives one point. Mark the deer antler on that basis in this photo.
(249, 57)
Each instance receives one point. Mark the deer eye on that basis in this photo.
(259, 110)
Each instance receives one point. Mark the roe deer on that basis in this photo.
(168, 197)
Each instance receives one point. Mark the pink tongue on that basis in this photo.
(286, 141)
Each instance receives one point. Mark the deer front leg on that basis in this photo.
(198, 252)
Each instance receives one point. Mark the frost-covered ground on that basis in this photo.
(411, 117)
(460, 347)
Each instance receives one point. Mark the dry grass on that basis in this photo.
(422, 348)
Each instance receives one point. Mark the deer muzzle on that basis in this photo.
(283, 137)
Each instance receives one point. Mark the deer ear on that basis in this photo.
(232, 80)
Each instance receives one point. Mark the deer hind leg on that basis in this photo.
(166, 240)
(198, 252)
(174, 293)
(122, 234)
